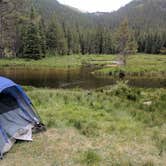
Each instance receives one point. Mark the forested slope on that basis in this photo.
(142, 14)
(80, 32)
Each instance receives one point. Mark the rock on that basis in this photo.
(148, 103)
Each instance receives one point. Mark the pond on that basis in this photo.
(72, 78)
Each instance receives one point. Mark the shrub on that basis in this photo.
(121, 89)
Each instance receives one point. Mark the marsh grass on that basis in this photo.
(96, 127)
(138, 65)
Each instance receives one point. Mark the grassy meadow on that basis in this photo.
(112, 126)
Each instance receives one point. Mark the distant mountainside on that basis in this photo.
(64, 13)
(86, 32)
(140, 13)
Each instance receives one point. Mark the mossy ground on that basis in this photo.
(108, 126)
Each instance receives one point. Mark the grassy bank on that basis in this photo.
(139, 65)
(111, 126)
(53, 61)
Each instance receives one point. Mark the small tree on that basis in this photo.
(126, 43)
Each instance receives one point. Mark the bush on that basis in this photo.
(121, 89)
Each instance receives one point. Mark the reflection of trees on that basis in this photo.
(68, 75)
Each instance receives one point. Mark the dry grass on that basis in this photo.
(95, 128)
(67, 147)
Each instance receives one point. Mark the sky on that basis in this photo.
(95, 5)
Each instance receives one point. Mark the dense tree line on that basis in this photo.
(9, 11)
(38, 38)
(31, 35)
(151, 42)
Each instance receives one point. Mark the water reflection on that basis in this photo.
(70, 78)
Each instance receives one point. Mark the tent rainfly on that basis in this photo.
(17, 115)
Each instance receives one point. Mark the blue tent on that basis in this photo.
(17, 115)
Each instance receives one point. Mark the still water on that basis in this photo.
(72, 78)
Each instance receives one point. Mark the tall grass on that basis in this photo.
(96, 127)
(90, 158)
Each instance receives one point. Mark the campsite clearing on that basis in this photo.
(97, 127)
(113, 125)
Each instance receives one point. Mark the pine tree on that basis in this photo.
(108, 46)
(31, 42)
(55, 39)
(73, 41)
(42, 38)
(99, 40)
(126, 43)
(31, 39)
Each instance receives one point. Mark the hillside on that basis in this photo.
(146, 18)
(140, 13)
(63, 13)
(85, 33)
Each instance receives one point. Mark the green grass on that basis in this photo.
(52, 61)
(110, 126)
(90, 157)
(107, 126)
(139, 65)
